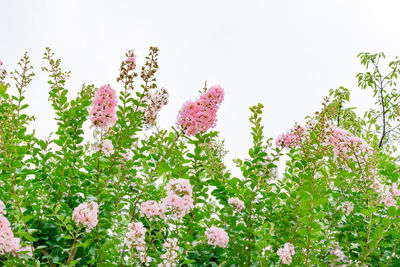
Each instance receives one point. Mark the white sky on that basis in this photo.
(284, 54)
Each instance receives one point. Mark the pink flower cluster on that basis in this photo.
(201, 115)
(8, 242)
(155, 101)
(127, 155)
(348, 207)
(346, 145)
(178, 202)
(179, 199)
(338, 253)
(179, 187)
(131, 60)
(136, 234)
(179, 206)
(86, 215)
(285, 254)
(236, 203)
(170, 256)
(389, 199)
(217, 237)
(135, 240)
(151, 209)
(103, 112)
(292, 138)
(107, 147)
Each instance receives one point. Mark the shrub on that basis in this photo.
(139, 195)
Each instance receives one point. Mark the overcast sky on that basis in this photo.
(284, 54)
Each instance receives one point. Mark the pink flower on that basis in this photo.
(151, 209)
(289, 247)
(179, 187)
(348, 207)
(131, 60)
(292, 138)
(285, 253)
(179, 206)
(86, 215)
(217, 237)
(178, 202)
(395, 190)
(2, 207)
(201, 115)
(127, 155)
(154, 103)
(103, 112)
(236, 203)
(388, 200)
(135, 240)
(170, 256)
(1, 63)
(136, 234)
(9, 243)
(338, 253)
(346, 145)
(107, 147)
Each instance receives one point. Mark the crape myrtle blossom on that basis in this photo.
(171, 254)
(201, 115)
(151, 209)
(179, 187)
(348, 207)
(178, 201)
(155, 101)
(217, 237)
(135, 235)
(8, 242)
(103, 112)
(338, 253)
(285, 254)
(395, 190)
(130, 60)
(388, 200)
(179, 206)
(236, 203)
(345, 144)
(135, 240)
(389, 197)
(171, 204)
(293, 138)
(86, 215)
(107, 147)
(127, 155)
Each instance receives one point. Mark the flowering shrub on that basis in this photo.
(135, 194)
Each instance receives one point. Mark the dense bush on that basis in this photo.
(138, 195)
